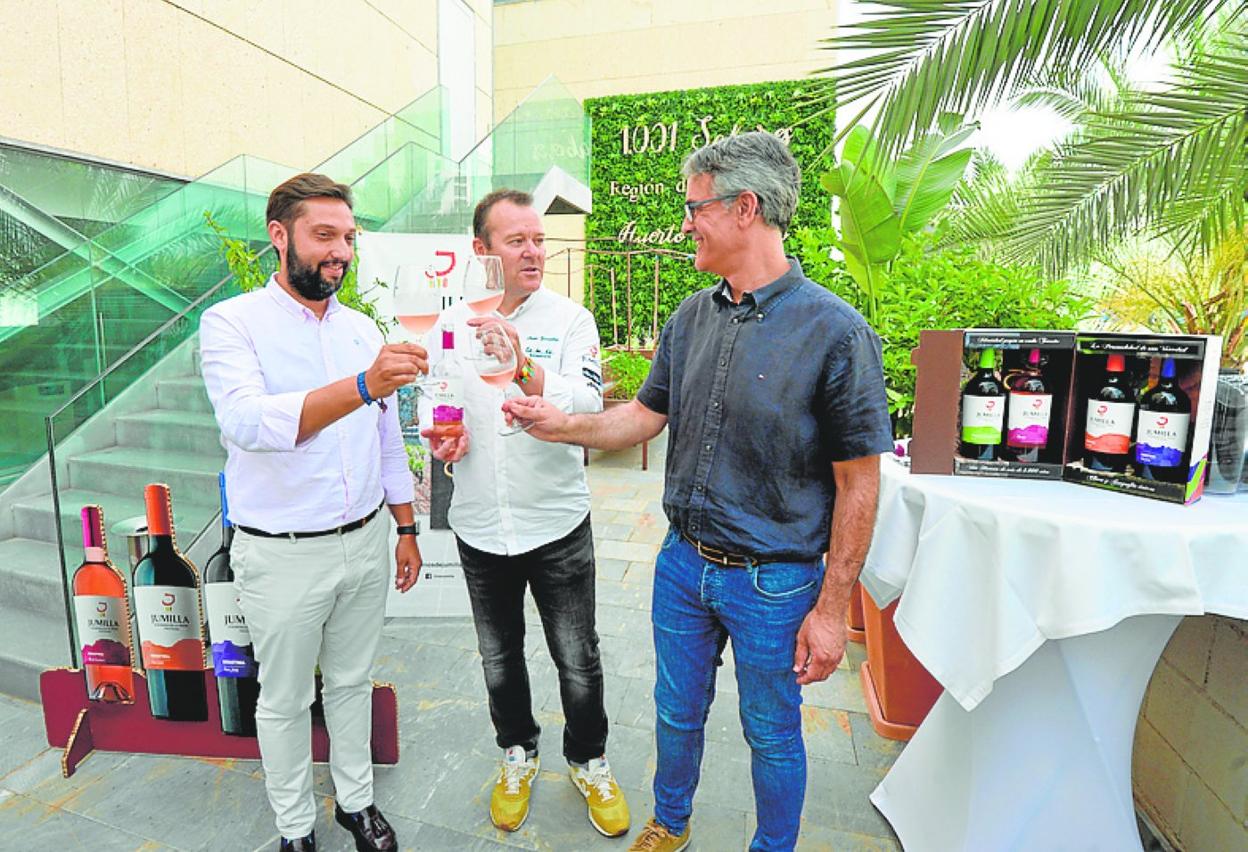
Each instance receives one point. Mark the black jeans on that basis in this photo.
(561, 575)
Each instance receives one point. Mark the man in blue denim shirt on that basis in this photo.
(773, 390)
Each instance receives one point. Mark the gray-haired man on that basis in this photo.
(773, 390)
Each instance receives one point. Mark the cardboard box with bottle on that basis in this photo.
(992, 402)
(1143, 413)
(1118, 411)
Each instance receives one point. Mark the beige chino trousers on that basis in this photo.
(306, 601)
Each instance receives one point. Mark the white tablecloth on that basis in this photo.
(992, 568)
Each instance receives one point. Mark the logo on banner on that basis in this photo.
(440, 278)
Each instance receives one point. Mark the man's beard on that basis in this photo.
(307, 280)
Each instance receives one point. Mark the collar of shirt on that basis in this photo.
(295, 308)
(765, 295)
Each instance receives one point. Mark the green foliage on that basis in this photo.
(882, 202)
(416, 459)
(251, 270)
(930, 288)
(651, 220)
(628, 370)
(1169, 160)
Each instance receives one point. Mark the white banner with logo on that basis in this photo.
(439, 257)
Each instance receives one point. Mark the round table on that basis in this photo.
(1042, 609)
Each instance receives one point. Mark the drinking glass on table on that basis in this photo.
(496, 362)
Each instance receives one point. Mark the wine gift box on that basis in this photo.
(943, 362)
(1111, 442)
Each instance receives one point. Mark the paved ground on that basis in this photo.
(437, 797)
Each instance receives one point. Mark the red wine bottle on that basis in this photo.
(166, 598)
(1030, 406)
(983, 410)
(1161, 435)
(1110, 415)
(233, 657)
(102, 616)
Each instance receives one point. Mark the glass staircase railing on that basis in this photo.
(101, 298)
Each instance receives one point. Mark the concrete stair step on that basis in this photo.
(161, 429)
(185, 393)
(30, 643)
(30, 577)
(34, 519)
(192, 477)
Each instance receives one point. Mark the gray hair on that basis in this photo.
(756, 162)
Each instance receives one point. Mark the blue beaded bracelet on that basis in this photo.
(363, 389)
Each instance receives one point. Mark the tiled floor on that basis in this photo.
(438, 794)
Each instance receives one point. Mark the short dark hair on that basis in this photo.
(286, 200)
(485, 205)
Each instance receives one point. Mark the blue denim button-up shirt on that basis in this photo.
(761, 397)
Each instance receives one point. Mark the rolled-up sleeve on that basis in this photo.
(576, 387)
(249, 417)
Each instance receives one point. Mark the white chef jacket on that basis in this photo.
(514, 493)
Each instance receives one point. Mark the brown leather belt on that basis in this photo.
(721, 557)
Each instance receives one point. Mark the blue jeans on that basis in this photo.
(697, 607)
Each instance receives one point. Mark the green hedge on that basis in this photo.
(633, 148)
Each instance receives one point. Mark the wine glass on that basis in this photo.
(417, 299)
(494, 359)
(483, 284)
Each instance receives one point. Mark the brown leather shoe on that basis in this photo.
(371, 831)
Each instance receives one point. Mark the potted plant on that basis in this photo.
(624, 372)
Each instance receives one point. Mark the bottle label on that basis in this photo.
(448, 399)
(232, 654)
(982, 419)
(1028, 422)
(102, 630)
(1108, 427)
(1162, 438)
(169, 627)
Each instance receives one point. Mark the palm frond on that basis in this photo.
(928, 57)
(1175, 157)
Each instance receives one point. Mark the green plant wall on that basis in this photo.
(639, 142)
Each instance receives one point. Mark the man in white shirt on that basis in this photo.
(520, 513)
(293, 376)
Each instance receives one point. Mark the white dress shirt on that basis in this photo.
(514, 493)
(262, 353)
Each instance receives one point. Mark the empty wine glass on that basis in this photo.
(483, 284)
(495, 360)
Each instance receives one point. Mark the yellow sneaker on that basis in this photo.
(608, 812)
(509, 803)
(656, 838)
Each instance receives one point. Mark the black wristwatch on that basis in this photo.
(409, 529)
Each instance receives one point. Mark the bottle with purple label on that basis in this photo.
(1161, 435)
(233, 657)
(445, 386)
(983, 410)
(1029, 410)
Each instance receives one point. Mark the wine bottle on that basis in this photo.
(166, 598)
(983, 410)
(1161, 436)
(102, 615)
(233, 657)
(1030, 406)
(1107, 426)
(446, 385)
